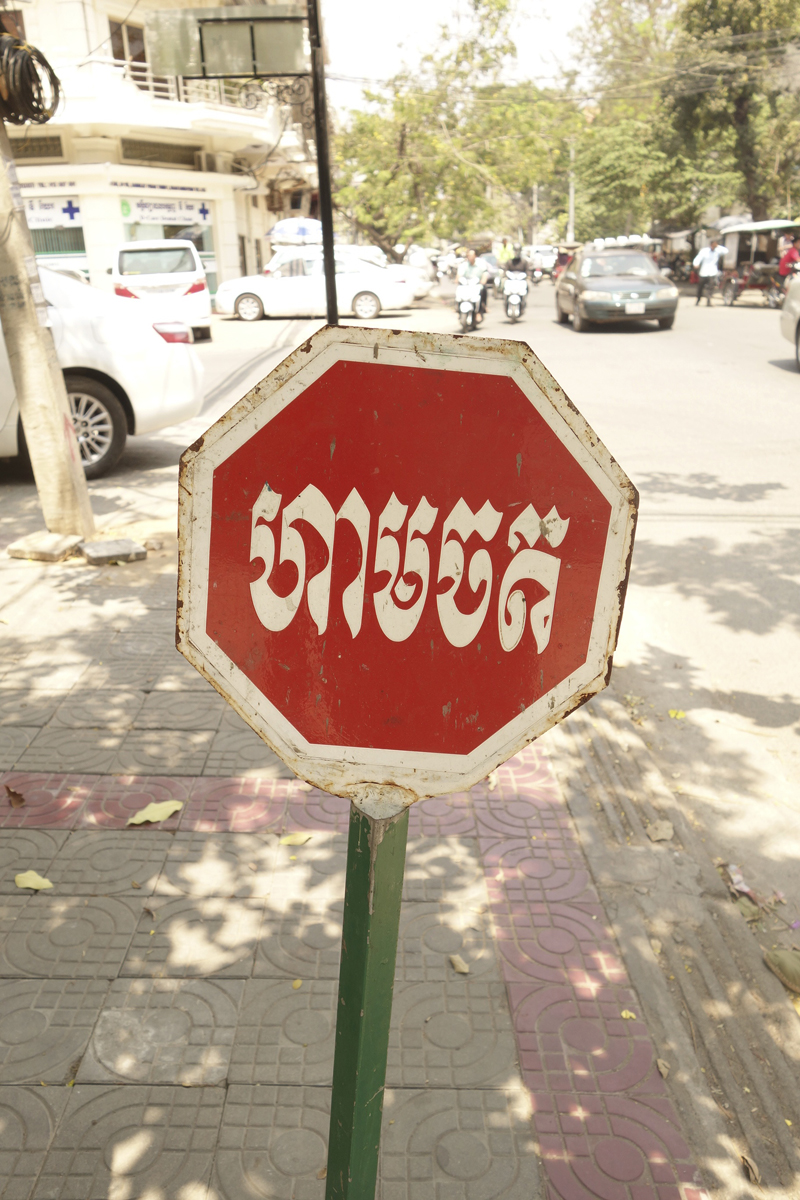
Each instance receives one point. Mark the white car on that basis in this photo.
(124, 373)
(168, 276)
(790, 317)
(404, 272)
(293, 285)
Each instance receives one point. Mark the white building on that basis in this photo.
(130, 156)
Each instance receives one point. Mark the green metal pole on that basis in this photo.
(375, 860)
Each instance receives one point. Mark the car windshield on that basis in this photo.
(618, 264)
(156, 262)
(491, 259)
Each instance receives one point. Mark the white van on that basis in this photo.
(169, 277)
(125, 373)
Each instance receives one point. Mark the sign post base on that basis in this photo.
(375, 861)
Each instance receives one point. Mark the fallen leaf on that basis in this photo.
(15, 799)
(297, 983)
(31, 879)
(660, 831)
(322, 1172)
(627, 1015)
(656, 946)
(663, 1067)
(134, 884)
(677, 714)
(156, 812)
(458, 964)
(149, 911)
(750, 1169)
(796, 1004)
(786, 1119)
(491, 779)
(750, 911)
(253, 866)
(295, 839)
(71, 1083)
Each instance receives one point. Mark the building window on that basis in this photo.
(134, 150)
(296, 202)
(36, 147)
(259, 260)
(313, 206)
(127, 42)
(13, 22)
(242, 255)
(58, 241)
(254, 201)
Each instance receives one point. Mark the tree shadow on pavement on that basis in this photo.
(703, 486)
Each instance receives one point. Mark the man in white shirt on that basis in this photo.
(707, 264)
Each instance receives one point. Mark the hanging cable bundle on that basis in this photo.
(29, 87)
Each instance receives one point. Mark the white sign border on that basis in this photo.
(355, 771)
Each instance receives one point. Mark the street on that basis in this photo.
(699, 729)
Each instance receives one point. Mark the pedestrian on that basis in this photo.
(706, 263)
(790, 256)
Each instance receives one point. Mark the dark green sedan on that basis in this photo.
(600, 286)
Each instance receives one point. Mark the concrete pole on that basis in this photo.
(39, 383)
(571, 210)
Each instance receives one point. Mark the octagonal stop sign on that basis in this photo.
(403, 558)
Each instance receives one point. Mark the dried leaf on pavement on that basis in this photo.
(750, 911)
(663, 1067)
(458, 964)
(660, 831)
(655, 946)
(322, 1172)
(32, 879)
(750, 1168)
(155, 812)
(134, 884)
(15, 799)
(297, 983)
(677, 714)
(627, 1015)
(295, 839)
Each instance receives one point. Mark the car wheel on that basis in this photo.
(561, 316)
(579, 323)
(666, 322)
(729, 293)
(366, 306)
(202, 333)
(99, 423)
(249, 307)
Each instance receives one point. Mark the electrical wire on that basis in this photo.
(29, 87)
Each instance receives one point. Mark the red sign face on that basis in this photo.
(404, 559)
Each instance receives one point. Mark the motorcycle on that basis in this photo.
(515, 289)
(468, 303)
(537, 275)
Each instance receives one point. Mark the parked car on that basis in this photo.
(790, 317)
(296, 288)
(404, 272)
(614, 284)
(125, 374)
(168, 276)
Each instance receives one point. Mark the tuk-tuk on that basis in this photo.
(758, 256)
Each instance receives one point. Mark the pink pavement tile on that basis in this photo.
(245, 805)
(316, 810)
(116, 798)
(51, 801)
(443, 816)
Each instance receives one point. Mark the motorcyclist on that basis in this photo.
(505, 253)
(474, 270)
(517, 263)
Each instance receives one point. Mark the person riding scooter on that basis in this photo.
(475, 271)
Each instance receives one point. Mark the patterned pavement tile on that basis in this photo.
(28, 1119)
(444, 870)
(164, 1031)
(527, 815)
(45, 671)
(315, 870)
(285, 1035)
(51, 801)
(273, 1142)
(163, 752)
(115, 674)
(44, 1027)
(107, 862)
(28, 708)
(176, 710)
(26, 850)
(177, 675)
(430, 933)
(191, 938)
(314, 809)
(14, 740)
(238, 805)
(56, 749)
(443, 816)
(557, 943)
(223, 864)
(108, 709)
(67, 937)
(454, 1034)
(518, 872)
(301, 940)
(443, 1144)
(133, 1142)
(244, 753)
(114, 799)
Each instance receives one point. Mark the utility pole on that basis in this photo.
(571, 211)
(39, 383)
(323, 158)
(535, 216)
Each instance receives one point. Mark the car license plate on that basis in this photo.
(634, 307)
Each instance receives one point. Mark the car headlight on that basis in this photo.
(594, 295)
(667, 293)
